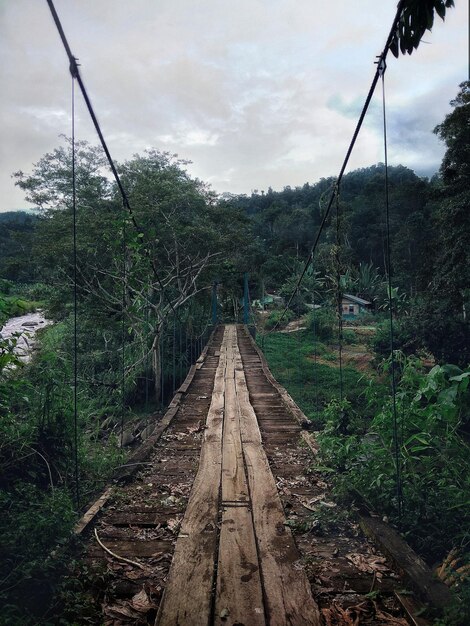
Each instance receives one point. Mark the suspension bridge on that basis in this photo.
(206, 522)
(208, 526)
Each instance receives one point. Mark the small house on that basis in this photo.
(269, 301)
(352, 306)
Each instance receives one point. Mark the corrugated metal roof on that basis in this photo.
(355, 299)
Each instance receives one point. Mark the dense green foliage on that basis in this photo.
(432, 411)
(16, 234)
(134, 342)
(357, 443)
(440, 316)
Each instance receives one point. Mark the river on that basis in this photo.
(25, 328)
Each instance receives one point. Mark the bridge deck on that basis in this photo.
(252, 559)
(217, 525)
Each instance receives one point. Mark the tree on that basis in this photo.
(16, 232)
(147, 274)
(442, 314)
(455, 132)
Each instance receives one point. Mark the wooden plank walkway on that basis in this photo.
(251, 563)
(203, 520)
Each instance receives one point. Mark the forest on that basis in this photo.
(132, 311)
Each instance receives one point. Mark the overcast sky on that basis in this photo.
(256, 93)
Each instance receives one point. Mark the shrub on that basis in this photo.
(349, 336)
(322, 323)
(402, 339)
(434, 461)
(5, 286)
(367, 318)
(275, 316)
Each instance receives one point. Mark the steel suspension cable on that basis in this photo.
(174, 354)
(75, 303)
(382, 68)
(314, 338)
(123, 329)
(73, 67)
(339, 295)
(352, 143)
(147, 364)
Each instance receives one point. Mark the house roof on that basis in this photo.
(355, 299)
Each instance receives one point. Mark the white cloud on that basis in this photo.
(256, 93)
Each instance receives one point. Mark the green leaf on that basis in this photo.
(459, 506)
(419, 448)
(417, 438)
(440, 8)
(460, 377)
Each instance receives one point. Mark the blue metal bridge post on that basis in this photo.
(246, 303)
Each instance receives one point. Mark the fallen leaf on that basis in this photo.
(224, 613)
(386, 618)
(134, 574)
(141, 602)
(173, 525)
(369, 565)
(120, 611)
(195, 429)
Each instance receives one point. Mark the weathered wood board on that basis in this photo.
(188, 594)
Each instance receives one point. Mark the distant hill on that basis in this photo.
(284, 223)
(18, 214)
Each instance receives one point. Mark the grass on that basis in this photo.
(313, 386)
(13, 306)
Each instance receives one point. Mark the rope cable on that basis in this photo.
(180, 358)
(174, 354)
(396, 447)
(147, 364)
(162, 372)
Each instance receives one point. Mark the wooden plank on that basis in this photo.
(248, 421)
(188, 380)
(413, 610)
(287, 590)
(288, 597)
(239, 596)
(310, 441)
(187, 597)
(415, 570)
(234, 485)
(92, 511)
(192, 370)
(143, 452)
